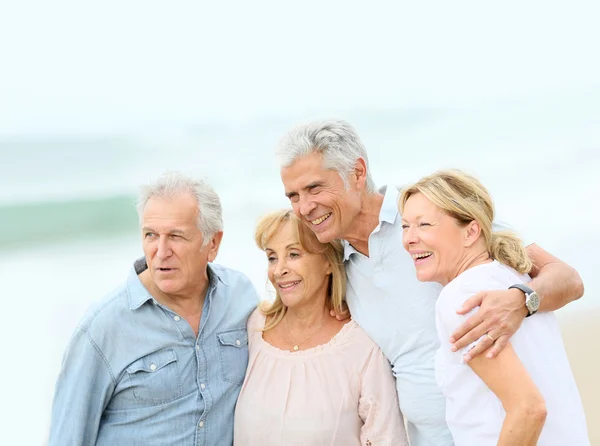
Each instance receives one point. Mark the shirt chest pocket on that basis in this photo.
(233, 352)
(155, 378)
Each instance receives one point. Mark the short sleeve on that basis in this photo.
(450, 300)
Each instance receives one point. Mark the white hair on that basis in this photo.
(173, 184)
(336, 141)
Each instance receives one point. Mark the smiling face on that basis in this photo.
(297, 275)
(319, 197)
(172, 245)
(436, 241)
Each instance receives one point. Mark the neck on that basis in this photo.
(308, 314)
(365, 222)
(189, 301)
(469, 261)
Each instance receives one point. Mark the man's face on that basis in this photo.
(320, 199)
(173, 247)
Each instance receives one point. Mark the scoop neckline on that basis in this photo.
(310, 351)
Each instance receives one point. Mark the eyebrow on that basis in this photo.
(173, 231)
(307, 187)
(291, 245)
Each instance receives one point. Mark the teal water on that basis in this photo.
(68, 225)
(33, 224)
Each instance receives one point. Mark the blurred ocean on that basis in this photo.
(68, 227)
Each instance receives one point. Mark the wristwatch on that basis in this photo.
(532, 300)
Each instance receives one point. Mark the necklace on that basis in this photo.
(296, 346)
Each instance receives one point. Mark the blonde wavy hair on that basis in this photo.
(333, 251)
(465, 199)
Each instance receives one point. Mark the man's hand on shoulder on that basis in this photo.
(500, 315)
(343, 315)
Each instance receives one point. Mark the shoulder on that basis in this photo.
(106, 311)
(231, 277)
(358, 340)
(235, 282)
(256, 321)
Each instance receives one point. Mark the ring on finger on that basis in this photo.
(491, 339)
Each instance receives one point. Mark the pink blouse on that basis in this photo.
(337, 394)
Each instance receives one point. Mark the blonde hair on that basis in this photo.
(332, 251)
(465, 199)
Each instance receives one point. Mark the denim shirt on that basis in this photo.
(134, 373)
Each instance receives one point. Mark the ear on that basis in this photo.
(472, 232)
(360, 172)
(328, 269)
(213, 246)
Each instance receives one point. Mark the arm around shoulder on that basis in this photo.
(83, 389)
(555, 282)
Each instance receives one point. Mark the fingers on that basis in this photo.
(470, 303)
(487, 341)
(463, 335)
(499, 344)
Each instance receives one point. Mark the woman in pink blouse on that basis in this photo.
(311, 379)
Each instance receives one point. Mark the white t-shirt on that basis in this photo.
(473, 412)
(398, 312)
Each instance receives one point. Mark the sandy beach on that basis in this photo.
(581, 331)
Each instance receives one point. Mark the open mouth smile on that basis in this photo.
(320, 220)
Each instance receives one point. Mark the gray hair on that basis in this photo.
(173, 184)
(337, 142)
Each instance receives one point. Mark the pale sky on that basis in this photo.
(73, 66)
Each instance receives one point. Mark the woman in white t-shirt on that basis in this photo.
(527, 394)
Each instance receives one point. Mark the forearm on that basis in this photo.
(522, 426)
(556, 284)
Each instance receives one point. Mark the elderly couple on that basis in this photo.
(435, 286)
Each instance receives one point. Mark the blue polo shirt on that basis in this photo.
(398, 312)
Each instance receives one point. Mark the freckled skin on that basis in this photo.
(315, 192)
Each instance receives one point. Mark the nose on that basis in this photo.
(281, 268)
(163, 249)
(409, 237)
(306, 206)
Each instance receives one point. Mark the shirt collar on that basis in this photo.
(139, 295)
(387, 214)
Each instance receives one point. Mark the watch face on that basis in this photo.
(533, 302)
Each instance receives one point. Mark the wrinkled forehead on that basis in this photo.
(180, 211)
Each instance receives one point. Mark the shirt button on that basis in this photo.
(201, 423)
(176, 318)
(237, 342)
(154, 302)
(152, 367)
(203, 386)
(197, 347)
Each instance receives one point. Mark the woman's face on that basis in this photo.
(298, 276)
(435, 240)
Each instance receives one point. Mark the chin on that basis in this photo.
(423, 276)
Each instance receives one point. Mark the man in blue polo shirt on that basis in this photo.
(324, 169)
(161, 360)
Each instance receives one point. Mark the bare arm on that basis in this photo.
(501, 312)
(555, 282)
(524, 405)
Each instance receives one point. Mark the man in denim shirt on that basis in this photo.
(161, 360)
